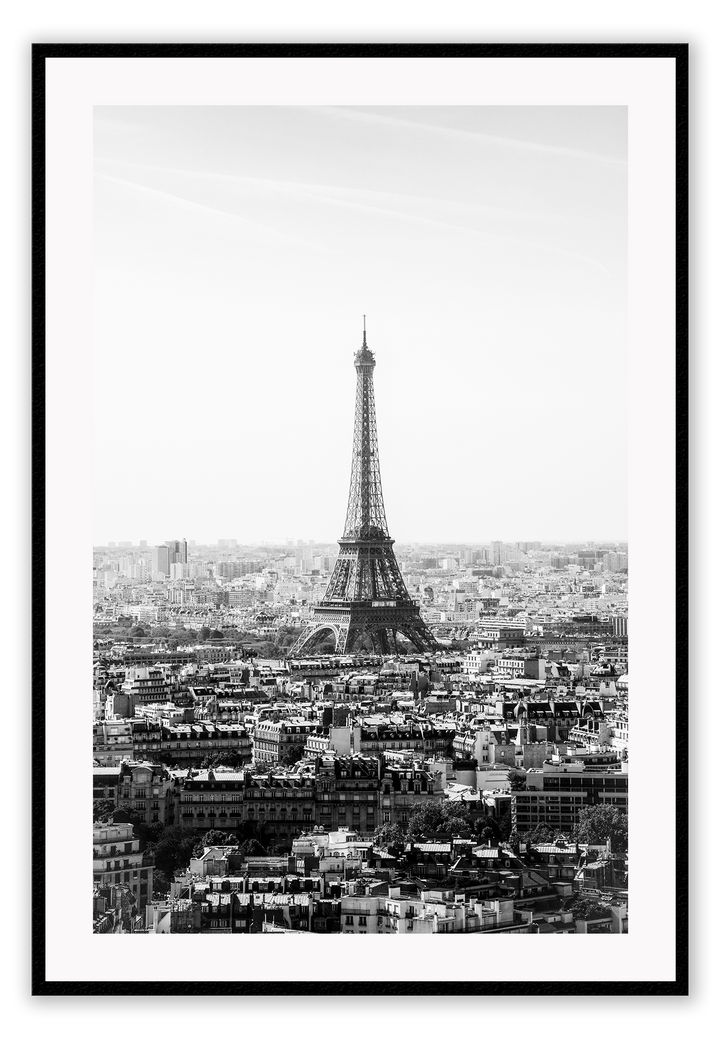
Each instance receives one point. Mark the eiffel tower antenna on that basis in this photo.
(366, 597)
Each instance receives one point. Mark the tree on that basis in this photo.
(215, 838)
(439, 817)
(540, 834)
(391, 838)
(279, 848)
(269, 651)
(231, 758)
(184, 636)
(488, 827)
(173, 850)
(147, 834)
(216, 634)
(203, 634)
(294, 754)
(598, 824)
(505, 824)
(103, 809)
(138, 632)
(286, 636)
(251, 848)
(588, 909)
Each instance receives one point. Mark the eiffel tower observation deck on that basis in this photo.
(366, 604)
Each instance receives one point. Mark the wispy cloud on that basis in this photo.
(366, 117)
(389, 206)
(180, 201)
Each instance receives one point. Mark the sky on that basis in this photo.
(236, 250)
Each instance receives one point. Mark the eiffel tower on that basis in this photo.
(366, 599)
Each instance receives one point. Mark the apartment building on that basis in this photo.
(118, 860)
(554, 795)
(276, 743)
(148, 789)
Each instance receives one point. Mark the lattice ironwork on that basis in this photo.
(366, 598)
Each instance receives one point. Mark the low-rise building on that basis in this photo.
(184, 743)
(118, 861)
(554, 795)
(148, 789)
(212, 799)
(112, 742)
(278, 743)
(105, 785)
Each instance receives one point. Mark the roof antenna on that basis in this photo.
(364, 337)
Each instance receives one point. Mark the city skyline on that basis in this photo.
(236, 249)
(299, 541)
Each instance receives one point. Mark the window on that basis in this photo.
(362, 921)
(349, 920)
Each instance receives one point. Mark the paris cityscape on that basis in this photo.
(361, 736)
(327, 702)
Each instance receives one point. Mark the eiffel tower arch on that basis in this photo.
(366, 599)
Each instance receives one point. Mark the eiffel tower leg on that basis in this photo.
(417, 639)
(376, 639)
(343, 639)
(383, 644)
(300, 643)
(311, 632)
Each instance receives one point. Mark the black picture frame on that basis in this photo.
(38, 55)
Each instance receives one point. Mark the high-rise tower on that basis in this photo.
(178, 550)
(366, 597)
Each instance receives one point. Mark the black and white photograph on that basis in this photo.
(362, 468)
